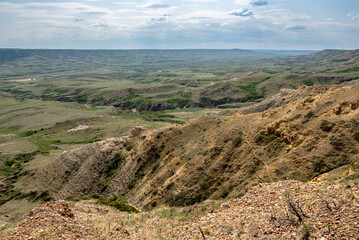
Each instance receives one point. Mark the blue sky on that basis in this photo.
(166, 24)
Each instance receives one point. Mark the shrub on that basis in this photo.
(238, 140)
(224, 193)
(156, 165)
(356, 135)
(308, 82)
(319, 165)
(118, 205)
(337, 142)
(326, 126)
(262, 138)
(132, 184)
(169, 186)
(310, 114)
(129, 147)
(154, 204)
(30, 133)
(111, 167)
(43, 196)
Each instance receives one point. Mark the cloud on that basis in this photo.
(252, 2)
(41, 9)
(201, 0)
(95, 13)
(161, 19)
(102, 25)
(158, 5)
(296, 27)
(258, 2)
(243, 12)
(352, 16)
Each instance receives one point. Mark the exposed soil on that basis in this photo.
(19, 80)
(78, 128)
(280, 210)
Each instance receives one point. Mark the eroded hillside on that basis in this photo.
(267, 211)
(213, 157)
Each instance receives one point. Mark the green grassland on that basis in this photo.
(154, 80)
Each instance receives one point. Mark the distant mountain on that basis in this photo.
(336, 55)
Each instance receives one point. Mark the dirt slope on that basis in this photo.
(265, 212)
(213, 157)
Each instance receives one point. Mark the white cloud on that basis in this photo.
(296, 27)
(103, 25)
(47, 7)
(258, 2)
(201, 0)
(125, 3)
(252, 2)
(243, 12)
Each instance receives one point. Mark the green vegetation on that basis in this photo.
(30, 133)
(348, 70)
(238, 140)
(113, 165)
(310, 114)
(251, 88)
(319, 165)
(119, 206)
(356, 135)
(263, 139)
(182, 199)
(308, 82)
(156, 165)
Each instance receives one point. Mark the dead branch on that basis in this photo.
(326, 202)
(273, 215)
(295, 209)
(204, 238)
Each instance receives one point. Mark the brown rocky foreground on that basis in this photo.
(280, 210)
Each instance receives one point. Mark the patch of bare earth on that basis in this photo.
(78, 128)
(20, 80)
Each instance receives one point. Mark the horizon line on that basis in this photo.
(114, 49)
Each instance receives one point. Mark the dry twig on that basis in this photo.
(204, 238)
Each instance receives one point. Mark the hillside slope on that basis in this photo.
(325, 212)
(212, 157)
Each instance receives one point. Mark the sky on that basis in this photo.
(186, 24)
